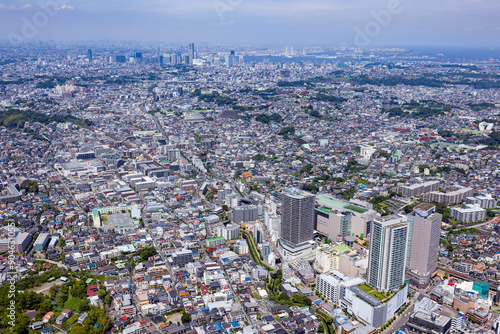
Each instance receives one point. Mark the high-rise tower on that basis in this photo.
(423, 243)
(297, 216)
(191, 52)
(388, 248)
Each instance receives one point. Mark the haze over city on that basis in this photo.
(249, 167)
(464, 23)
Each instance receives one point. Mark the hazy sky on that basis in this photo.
(285, 22)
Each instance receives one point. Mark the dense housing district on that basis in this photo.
(205, 190)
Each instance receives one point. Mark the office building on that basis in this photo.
(89, 55)
(423, 243)
(231, 59)
(387, 256)
(191, 53)
(297, 217)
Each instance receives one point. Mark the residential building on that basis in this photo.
(468, 213)
(387, 256)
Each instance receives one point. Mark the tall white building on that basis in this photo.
(333, 285)
(229, 232)
(388, 249)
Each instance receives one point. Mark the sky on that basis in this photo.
(362, 23)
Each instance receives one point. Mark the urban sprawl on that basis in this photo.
(212, 190)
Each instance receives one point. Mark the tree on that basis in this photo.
(84, 306)
(283, 296)
(99, 317)
(321, 328)
(101, 294)
(22, 324)
(287, 130)
(186, 317)
(147, 252)
(78, 329)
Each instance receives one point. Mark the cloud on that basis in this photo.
(5, 7)
(66, 7)
(227, 23)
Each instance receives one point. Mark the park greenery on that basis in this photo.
(266, 119)
(69, 295)
(16, 119)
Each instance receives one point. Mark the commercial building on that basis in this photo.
(333, 223)
(370, 309)
(388, 248)
(335, 217)
(423, 243)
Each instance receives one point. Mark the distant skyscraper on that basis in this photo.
(387, 257)
(89, 55)
(423, 243)
(231, 59)
(191, 52)
(297, 217)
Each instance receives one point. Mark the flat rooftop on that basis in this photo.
(119, 220)
(331, 202)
